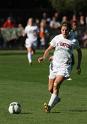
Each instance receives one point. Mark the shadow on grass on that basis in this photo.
(71, 110)
(78, 110)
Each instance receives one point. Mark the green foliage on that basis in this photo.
(69, 5)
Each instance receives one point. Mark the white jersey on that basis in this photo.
(31, 32)
(63, 50)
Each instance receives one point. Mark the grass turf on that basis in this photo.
(28, 85)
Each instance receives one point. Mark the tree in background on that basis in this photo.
(70, 5)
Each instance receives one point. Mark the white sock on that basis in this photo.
(29, 57)
(53, 97)
(56, 100)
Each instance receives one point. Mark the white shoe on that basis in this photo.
(69, 79)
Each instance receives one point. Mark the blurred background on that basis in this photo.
(48, 14)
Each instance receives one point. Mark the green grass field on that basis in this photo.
(28, 85)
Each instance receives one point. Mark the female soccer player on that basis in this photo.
(60, 66)
(31, 31)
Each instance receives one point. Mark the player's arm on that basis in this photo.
(79, 60)
(25, 32)
(46, 53)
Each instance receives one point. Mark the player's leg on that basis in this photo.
(72, 64)
(34, 46)
(28, 46)
(50, 89)
(50, 85)
(53, 86)
(29, 54)
(33, 50)
(55, 95)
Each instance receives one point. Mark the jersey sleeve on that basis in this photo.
(53, 42)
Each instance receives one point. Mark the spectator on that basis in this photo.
(74, 19)
(54, 23)
(43, 34)
(8, 23)
(84, 39)
(64, 19)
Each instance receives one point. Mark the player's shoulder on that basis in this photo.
(58, 36)
(27, 26)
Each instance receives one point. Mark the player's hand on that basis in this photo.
(40, 59)
(50, 58)
(78, 70)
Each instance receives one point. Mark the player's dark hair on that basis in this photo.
(66, 24)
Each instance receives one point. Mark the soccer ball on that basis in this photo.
(14, 108)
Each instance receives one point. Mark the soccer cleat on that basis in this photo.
(47, 108)
(69, 79)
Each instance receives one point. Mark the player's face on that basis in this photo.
(64, 31)
(30, 21)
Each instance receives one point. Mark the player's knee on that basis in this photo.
(56, 88)
(50, 90)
